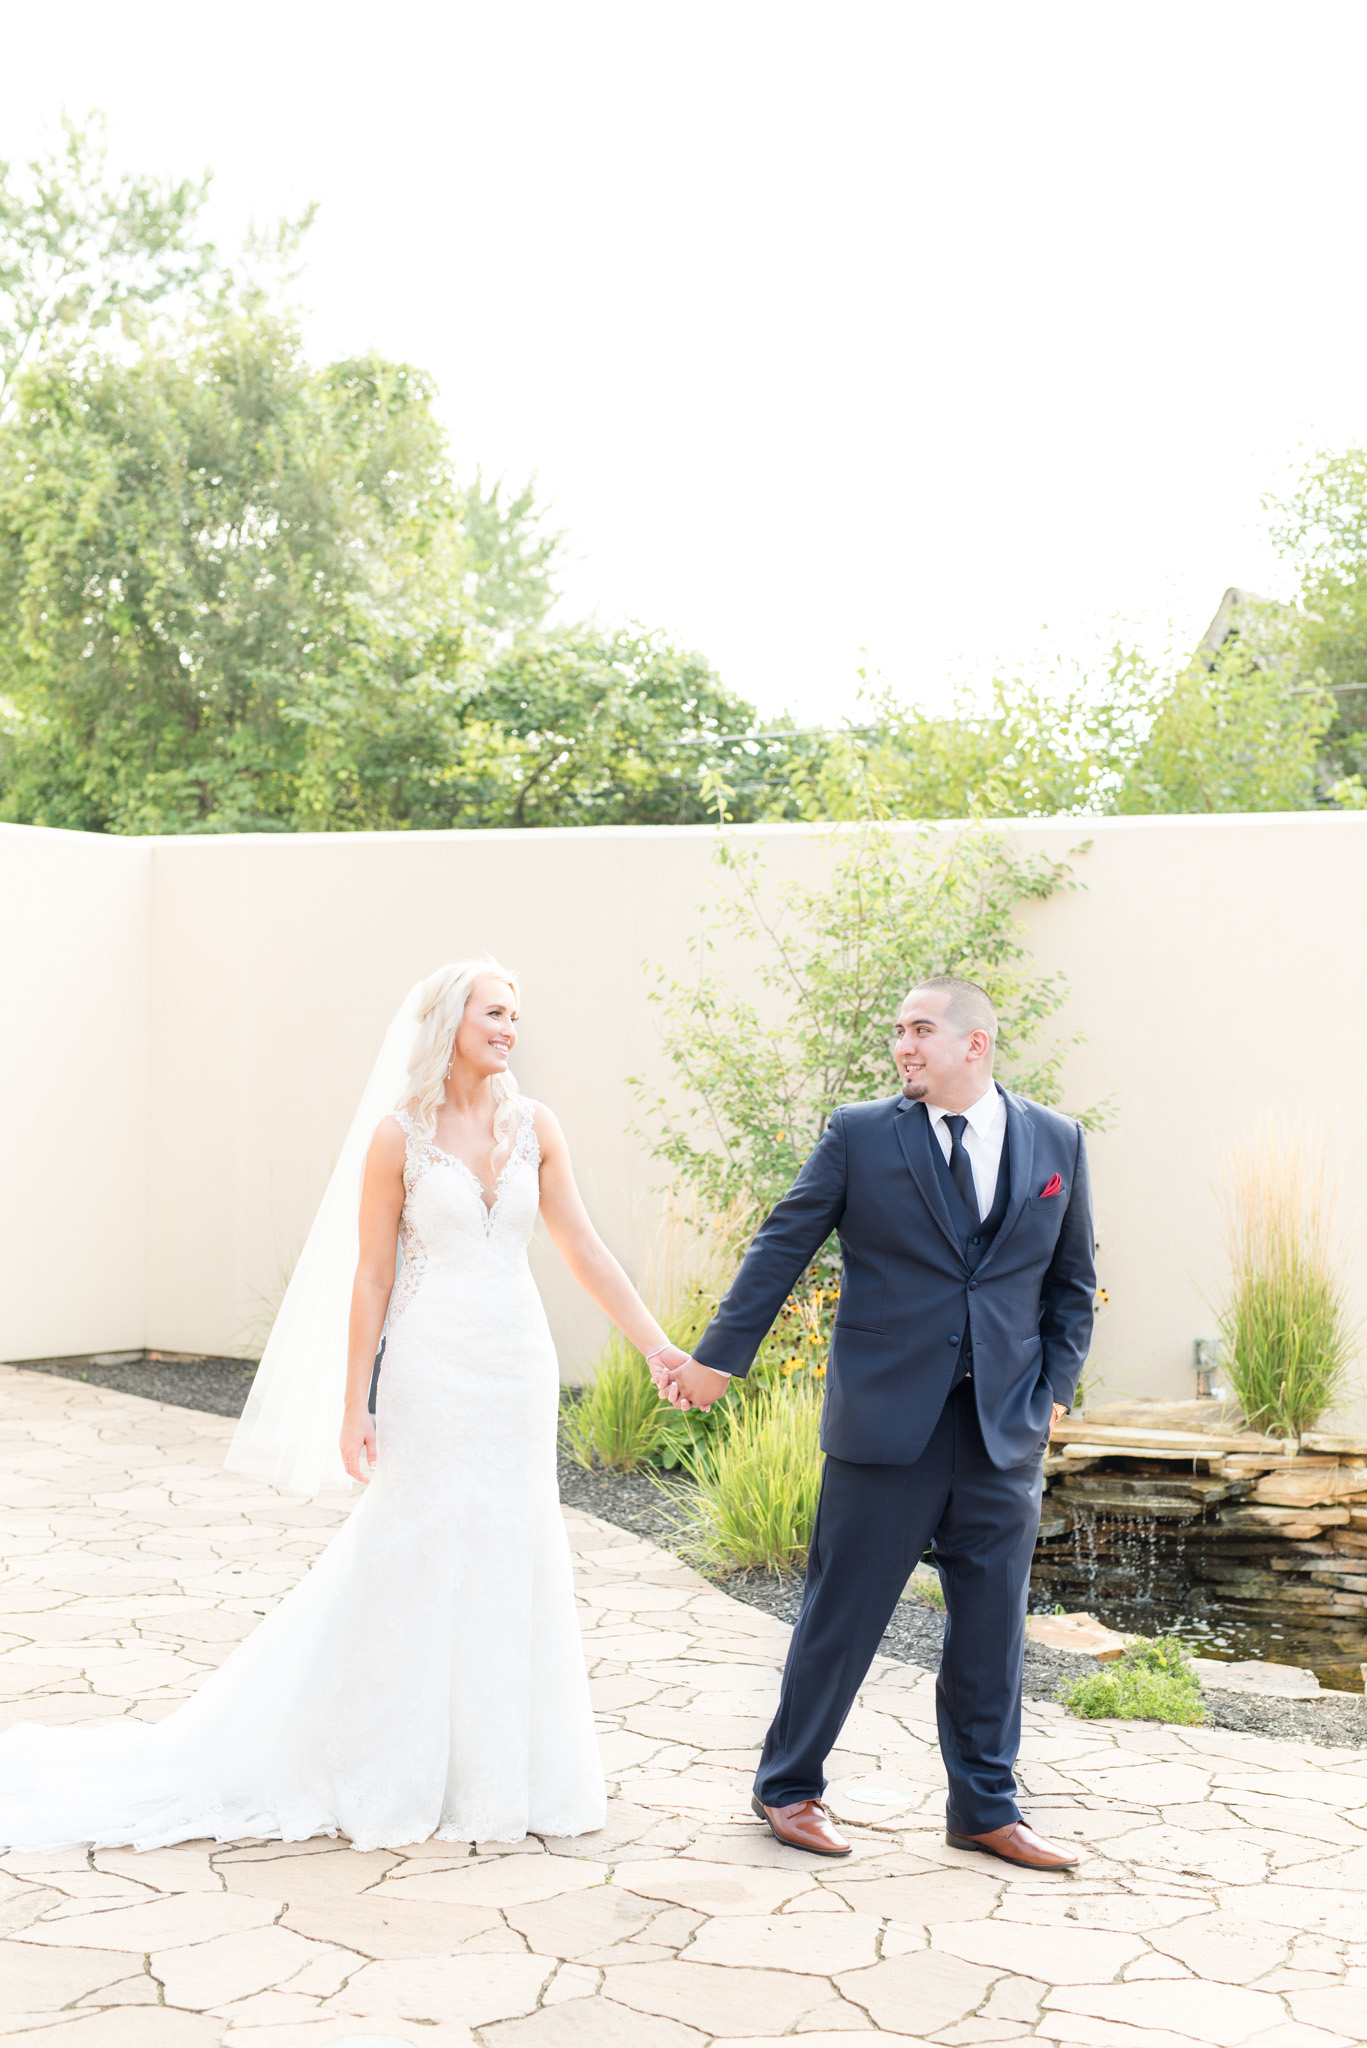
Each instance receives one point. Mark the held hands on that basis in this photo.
(1056, 1418)
(685, 1383)
(358, 1437)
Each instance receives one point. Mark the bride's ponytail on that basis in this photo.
(441, 1005)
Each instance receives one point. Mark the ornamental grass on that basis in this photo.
(617, 1421)
(1288, 1338)
(754, 1479)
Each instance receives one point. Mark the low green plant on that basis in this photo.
(618, 1420)
(1153, 1681)
(754, 1481)
(1288, 1337)
(926, 1587)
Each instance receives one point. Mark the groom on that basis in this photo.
(965, 1313)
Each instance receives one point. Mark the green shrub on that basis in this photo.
(1152, 1681)
(1288, 1336)
(618, 1420)
(756, 1476)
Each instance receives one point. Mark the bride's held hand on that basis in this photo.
(693, 1385)
(358, 1438)
(660, 1364)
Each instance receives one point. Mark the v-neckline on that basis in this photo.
(454, 1159)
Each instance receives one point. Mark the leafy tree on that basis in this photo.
(510, 558)
(761, 1072)
(193, 546)
(616, 729)
(79, 248)
(1321, 525)
(570, 727)
(1244, 734)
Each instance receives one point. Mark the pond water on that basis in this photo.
(1230, 1598)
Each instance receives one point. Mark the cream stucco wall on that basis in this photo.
(75, 995)
(222, 1000)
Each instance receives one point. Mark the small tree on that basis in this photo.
(760, 1082)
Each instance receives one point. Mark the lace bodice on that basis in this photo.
(446, 1221)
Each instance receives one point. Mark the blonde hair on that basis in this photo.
(441, 1005)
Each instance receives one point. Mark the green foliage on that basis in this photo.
(618, 1421)
(1151, 1681)
(1288, 1337)
(1026, 753)
(1245, 734)
(201, 553)
(81, 249)
(1321, 526)
(607, 728)
(761, 1078)
(510, 559)
(756, 1479)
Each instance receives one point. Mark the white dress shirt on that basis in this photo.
(984, 1133)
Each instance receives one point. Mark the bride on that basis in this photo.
(427, 1676)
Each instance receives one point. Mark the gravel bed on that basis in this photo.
(215, 1386)
(219, 1386)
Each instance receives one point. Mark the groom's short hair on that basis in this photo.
(969, 1007)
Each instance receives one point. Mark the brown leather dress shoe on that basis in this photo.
(1016, 1843)
(803, 1825)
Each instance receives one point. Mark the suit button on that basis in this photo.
(975, 1240)
(953, 1340)
(972, 1284)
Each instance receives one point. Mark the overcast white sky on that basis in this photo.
(933, 336)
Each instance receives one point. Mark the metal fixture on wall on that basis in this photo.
(1207, 1361)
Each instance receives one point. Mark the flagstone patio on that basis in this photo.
(1223, 1900)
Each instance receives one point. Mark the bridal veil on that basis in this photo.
(290, 1425)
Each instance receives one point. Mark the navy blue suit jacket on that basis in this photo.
(908, 1299)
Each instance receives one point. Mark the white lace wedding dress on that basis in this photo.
(427, 1676)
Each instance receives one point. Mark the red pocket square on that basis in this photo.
(1053, 1186)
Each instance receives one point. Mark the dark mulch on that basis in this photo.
(218, 1386)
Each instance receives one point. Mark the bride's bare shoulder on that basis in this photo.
(390, 1142)
(549, 1135)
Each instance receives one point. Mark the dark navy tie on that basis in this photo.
(960, 1166)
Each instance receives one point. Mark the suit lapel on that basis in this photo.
(1021, 1135)
(913, 1135)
